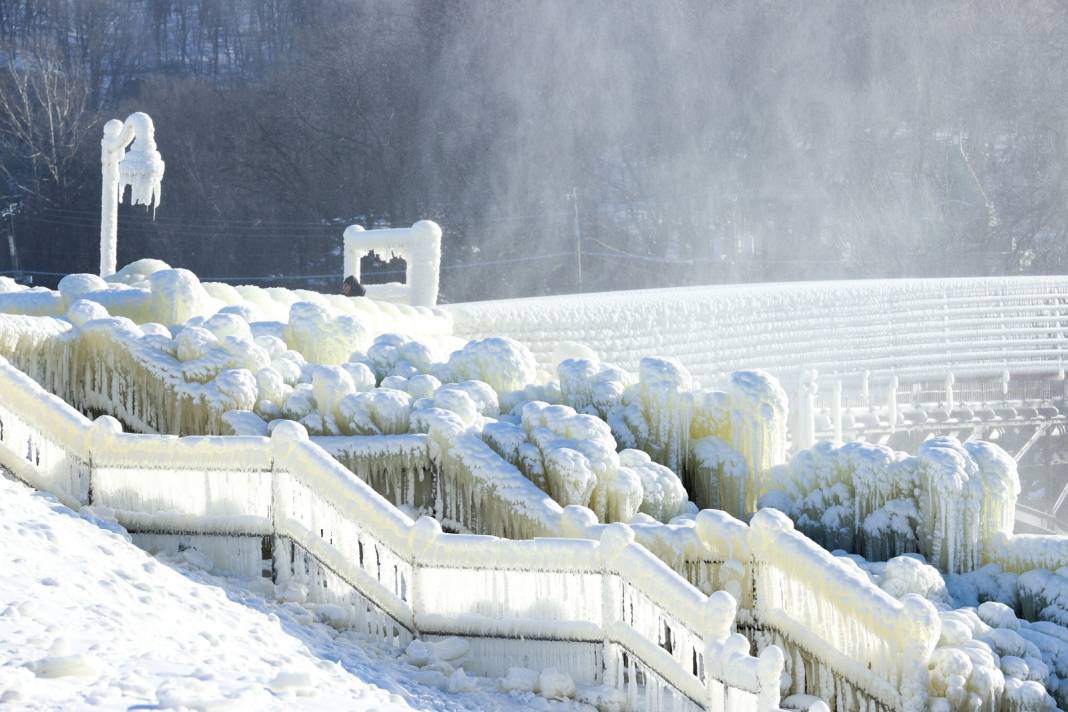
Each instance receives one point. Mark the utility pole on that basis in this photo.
(578, 237)
(10, 215)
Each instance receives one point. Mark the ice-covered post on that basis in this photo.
(891, 402)
(419, 246)
(141, 169)
(805, 430)
(615, 538)
(836, 410)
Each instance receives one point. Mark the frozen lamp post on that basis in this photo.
(141, 169)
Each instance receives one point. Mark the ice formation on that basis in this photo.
(949, 502)
(406, 419)
(722, 442)
(915, 328)
(986, 657)
(574, 458)
(419, 246)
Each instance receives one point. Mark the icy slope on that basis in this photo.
(88, 620)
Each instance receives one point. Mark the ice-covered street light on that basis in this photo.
(141, 169)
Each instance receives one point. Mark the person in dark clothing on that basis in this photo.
(351, 287)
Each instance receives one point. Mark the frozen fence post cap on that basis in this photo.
(723, 534)
(928, 624)
(575, 520)
(771, 520)
(614, 539)
(770, 664)
(423, 533)
(285, 434)
(103, 429)
(107, 423)
(720, 610)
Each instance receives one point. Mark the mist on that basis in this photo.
(667, 143)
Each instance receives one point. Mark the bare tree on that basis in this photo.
(45, 123)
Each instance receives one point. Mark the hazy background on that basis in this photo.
(680, 142)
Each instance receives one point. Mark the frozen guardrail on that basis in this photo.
(863, 350)
(780, 578)
(913, 328)
(284, 502)
(472, 488)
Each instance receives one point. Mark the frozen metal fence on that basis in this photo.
(616, 610)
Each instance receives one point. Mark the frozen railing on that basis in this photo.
(834, 616)
(914, 329)
(1023, 552)
(471, 488)
(788, 602)
(286, 503)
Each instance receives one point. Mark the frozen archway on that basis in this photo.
(419, 246)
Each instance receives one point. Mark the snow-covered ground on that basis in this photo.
(88, 620)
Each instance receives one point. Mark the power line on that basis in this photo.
(332, 223)
(281, 277)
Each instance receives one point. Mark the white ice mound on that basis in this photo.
(505, 364)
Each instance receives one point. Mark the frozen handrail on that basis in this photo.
(290, 490)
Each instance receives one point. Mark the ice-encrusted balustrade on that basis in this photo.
(356, 564)
(284, 502)
(849, 350)
(478, 491)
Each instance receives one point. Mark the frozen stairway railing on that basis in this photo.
(867, 663)
(285, 503)
(490, 495)
(474, 489)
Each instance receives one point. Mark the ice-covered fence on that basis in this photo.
(722, 553)
(419, 246)
(828, 615)
(1023, 552)
(493, 500)
(911, 327)
(398, 467)
(870, 331)
(251, 502)
(42, 439)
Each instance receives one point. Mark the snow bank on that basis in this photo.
(92, 621)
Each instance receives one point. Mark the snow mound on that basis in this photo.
(89, 620)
